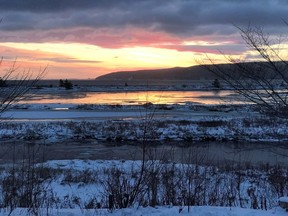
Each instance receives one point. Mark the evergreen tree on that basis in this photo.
(61, 83)
(216, 84)
(68, 84)
(65, 84)
(2, 82)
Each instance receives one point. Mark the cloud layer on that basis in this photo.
(64, 19)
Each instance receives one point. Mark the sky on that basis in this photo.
(82, 39)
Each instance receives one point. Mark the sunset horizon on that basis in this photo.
(87, 40)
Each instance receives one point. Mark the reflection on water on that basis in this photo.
(134, 98)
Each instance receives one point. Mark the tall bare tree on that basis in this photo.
(263, 82)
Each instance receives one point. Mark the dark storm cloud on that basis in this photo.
(60, 5)
(179, 17)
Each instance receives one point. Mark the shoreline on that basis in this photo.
(125, 123)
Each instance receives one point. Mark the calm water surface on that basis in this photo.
(202, 153)
(134, 98)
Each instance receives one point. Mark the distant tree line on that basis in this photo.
(66, 84)
(216, 84)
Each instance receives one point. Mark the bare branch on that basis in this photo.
(265, 82)
(17, 85)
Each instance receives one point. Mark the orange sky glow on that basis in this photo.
(82, 61)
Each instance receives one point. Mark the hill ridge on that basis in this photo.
(175, 73)
(198, 72)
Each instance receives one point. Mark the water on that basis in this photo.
(137, 92)
(209, 153)
(205, 152)
(134, 97)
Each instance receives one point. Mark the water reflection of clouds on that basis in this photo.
(134, 98)
(64, 96)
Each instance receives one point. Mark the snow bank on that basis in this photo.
(158, 211)
(127, 125)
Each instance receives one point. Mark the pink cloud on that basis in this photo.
(113, 38)
(104, 37)
(130, 37)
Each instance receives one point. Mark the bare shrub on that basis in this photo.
(210, 123)
(278, 179)
(26, 185)
(84, 176)
(123, 189)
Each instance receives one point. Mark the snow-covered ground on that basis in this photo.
(188, 122)
(182, 123)
(60, 112)
(73, 187)
(158, 211)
